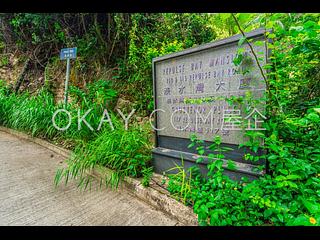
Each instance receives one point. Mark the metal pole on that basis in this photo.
(66, 84)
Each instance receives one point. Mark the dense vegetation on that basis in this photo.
(126, 152)
(289, 194)
(125, 44)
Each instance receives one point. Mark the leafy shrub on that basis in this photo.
(28, 113)
(33, 114)
(127, 152)
(98, 92)
(289, 193)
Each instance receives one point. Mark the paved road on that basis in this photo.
(28, 196)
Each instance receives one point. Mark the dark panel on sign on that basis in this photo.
(181, 144)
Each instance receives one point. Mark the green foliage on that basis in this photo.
(4, 61)
(179, 183)
(124, 151)
(33, 114)
(27, 113)
(147, 175)
(126, 43)
(289, 193)
(127, 153)
(99, 92)
(153, 35)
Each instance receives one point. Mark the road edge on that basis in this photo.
(155, 197)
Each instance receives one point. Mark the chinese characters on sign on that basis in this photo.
(66, 53)
(204, 74)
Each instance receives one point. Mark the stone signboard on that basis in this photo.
(192, 91)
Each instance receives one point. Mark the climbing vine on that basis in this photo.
(289, 193)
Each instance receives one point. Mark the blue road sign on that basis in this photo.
(66, 53)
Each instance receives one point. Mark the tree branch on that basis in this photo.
(258, 63)
(253, 52)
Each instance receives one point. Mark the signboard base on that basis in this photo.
(164, 159)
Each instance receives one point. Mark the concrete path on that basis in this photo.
(28, 195)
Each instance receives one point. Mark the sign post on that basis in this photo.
(67, 53)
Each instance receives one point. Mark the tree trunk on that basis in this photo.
(21, 76)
